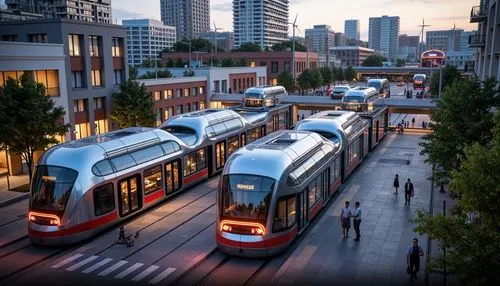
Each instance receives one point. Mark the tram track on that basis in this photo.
(19, 217)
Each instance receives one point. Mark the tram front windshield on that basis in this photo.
(253, 96)
(246, 196)
(354, 99)
(375, 84)
(51, 187)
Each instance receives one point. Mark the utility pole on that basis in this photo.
(440, 79)
(294, 25)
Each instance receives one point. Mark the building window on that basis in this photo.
(99, 103)
(186, 92)
(94, 46)
(82, 130)
(263, 64)
(79, 105)
(193, 91)
(50, 80)
(38, 38)
(179, 109)
(274, 67)
(96, 78)
(158, 116)
(287, 66)
(202, 105)
(195, 106)
(118, 77)
(74, 45)
(178, 93)
(9, 38)
(167, 94)
(76, 79)
(157, 95)
(117, 51)
(187, 107)
(224, 86)
(202, 90)
(101, 126)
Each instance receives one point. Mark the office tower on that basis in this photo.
(383, 35)
(224, 40)
(444, 40)
(408, 47)
(351, 29)
(341, 39)
(189, 17)
(84, 10)
(264, 22)
(321, 39)
(146, 39)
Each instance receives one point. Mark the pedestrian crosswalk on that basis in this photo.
(109, 267)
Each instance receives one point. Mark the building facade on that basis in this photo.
(341, 39)
(189, 17)
(352, 56)
(464, 40)
(383, 35)
(351, 29)
(320, 39)
(262, 22)
(444, 40)
(459, 59)
(95, 64)
(146, 39)
(408, 47)
(224, 40)
(11, 15)
(98, 11)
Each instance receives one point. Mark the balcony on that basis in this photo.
(477, 41)
(478, 13)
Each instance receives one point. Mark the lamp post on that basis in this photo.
(440, 79)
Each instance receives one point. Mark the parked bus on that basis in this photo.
(382, 85)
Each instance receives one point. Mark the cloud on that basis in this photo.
(227, 6)
(119, 13)
(450, 18)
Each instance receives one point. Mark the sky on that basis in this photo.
(440, 14)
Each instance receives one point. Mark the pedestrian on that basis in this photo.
(298, 117)
(409, 191)
(357, 220)
(345, 219)
(413, 259)
(423, 124)
(302, 116)
(396, 184)
(413, 122)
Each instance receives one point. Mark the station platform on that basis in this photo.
(323, 257)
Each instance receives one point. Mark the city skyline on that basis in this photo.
(439, 13)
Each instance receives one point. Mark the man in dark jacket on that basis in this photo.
(413, 259)
(409, 191)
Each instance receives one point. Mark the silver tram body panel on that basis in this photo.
(357, 99)
(263, 96)
(78, 220)
(277, 156)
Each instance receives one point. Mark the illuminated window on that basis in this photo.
(194, 162)
(116, 47)
(186, 92)
(101, 126)
(157, 95)
(253, 134)
(79, 105)
(94, 46)
(172, 175)
(167, 94)
(74, 45)
(153, 180)
(96, 78)
(284, 217)
(202, 90)
(82, 130)
(202, 105)
(50, 80)
(233, 145)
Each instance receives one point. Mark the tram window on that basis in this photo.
(233, 145)
(282, 120)
(285, 214)
(314, 192)
(194, 162)
(129, 196)
(102, 168)
(172, 177)
(253, 134)
(123, 162)
(104, 199)
(220, 154)
(291, 211)
(243, 139)
(270, 126)
(233, 124)
(152, 180)
(170, 147)
(147, 154)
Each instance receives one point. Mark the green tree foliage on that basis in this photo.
(349, 74)
(317, 79)
(400, 62)
(473, 246)
(159, 74)
(132, 72)
(133, 106)
(339, 74)
(242, 62)
(29, 120)
(228, 62)
(248, 47)
(305, 80)
(199, 45)
(462, 116)
(170, 63)
(373, 61)
(179, 63)
(287, 46)
(450, 74)
(188, 73)
(327, 75)
(285, 79)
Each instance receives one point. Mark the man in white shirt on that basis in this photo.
(357, 220)
(345, 219)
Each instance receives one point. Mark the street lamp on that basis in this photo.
(440, 79)
(295, 26)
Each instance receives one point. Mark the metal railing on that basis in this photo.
(478, 13)
(477, 40)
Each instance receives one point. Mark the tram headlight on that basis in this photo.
(226, 228)
(44, 219)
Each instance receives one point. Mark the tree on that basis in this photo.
(400, 62)
(199, 45)
(305, 80)
(248, 47)
(327, 75)
(349, 73)
(30, 120)
(373, 61)
(170, 63)
(462, 116)
(132, 72)
(340, 74)
(158, 74)
(285, 79)
(179, 63)
(133, 106)
(450, 74)
(188, 73)
(473, 245)
(227, 62)
(242, 62)
(316, 79)
(288, 46)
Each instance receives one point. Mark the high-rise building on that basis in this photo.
(263, 22)
(444, 40)
(98, 11)
(341, 39)
(351, 29)
(408, 46)
(224, 40)
(383, 35)
(321, 39)
(464, 40)
(189, 17)
(486, 64)
(146, 39)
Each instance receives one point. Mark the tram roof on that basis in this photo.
(271, 155)
(76, 154)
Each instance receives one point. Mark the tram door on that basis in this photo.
(325, 186)
(302, 209)
(129, 195)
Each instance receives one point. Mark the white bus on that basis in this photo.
(263, 96)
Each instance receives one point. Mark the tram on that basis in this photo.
(263, 96)
(271, 189)
(357, 99)
(84, 186)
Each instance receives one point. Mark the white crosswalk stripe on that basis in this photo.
(113, 268)
(67, 260)
(145, 273)
(82, 263)
(97, 265)
(162, 276)
(129, 270)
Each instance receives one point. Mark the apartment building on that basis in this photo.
(383, 35)
(189, 17)
(351, 29)
(320, 39)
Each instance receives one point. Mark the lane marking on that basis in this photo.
(82, 263)
(162, 276)
(128, 270)
(145, 273)
(67, 260)
(97, 265)
(113, 268)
